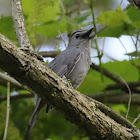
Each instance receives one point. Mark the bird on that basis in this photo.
(73, 63)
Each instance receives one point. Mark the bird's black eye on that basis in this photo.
(77, 35)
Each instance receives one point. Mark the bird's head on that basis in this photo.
(80, 38)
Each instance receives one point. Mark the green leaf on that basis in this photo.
(117, 31)
(113, 18)
(78, 18)
(125, 69)
(52, 29)
(120, 108)
(133, 54)
(39, 12)
(134, 16)
(112, 32)
(6, 27)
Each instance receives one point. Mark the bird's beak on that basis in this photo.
(87, 34)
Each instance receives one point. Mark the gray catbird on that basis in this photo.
(73, 63)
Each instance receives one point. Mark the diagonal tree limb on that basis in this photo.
(18, 19)
(97, 120)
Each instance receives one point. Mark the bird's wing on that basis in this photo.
(65, 62)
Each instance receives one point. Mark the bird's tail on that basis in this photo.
(39, 104)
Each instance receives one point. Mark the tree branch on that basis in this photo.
(4, 78)
(18, 19)
(132, 86)
(94, 118)
(116, 98)
(49, 54)
(15, 97)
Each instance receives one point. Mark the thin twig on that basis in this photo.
(62, 6)
(122, 45)
(8, 110)
(121, 2)
(9, 79)
(136, 119)
(62, 38)
(130, 95)
(103, 43)
(134, 43)
(137, 38)
(95, 30)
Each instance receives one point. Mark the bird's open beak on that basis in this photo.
(87, 34)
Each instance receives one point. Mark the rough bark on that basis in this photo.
(86, 113)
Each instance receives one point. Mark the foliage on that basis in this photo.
(6, 28)
(124, 22)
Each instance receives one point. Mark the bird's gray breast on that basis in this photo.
(79, 72)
